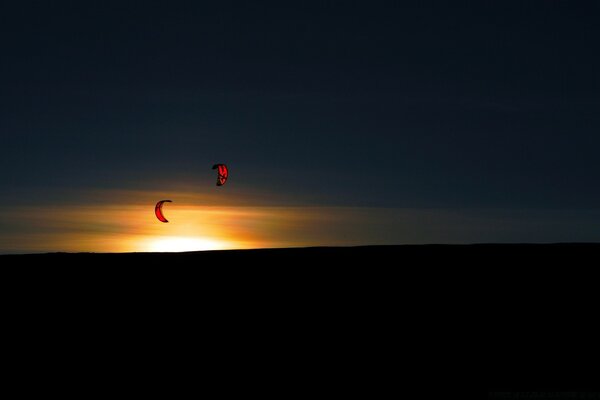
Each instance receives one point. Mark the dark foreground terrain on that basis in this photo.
(324, 256)
(424, 322)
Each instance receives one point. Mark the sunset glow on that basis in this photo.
(117, 221)
(179, 244)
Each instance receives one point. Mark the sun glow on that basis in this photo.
(134, 227)
(179, 244)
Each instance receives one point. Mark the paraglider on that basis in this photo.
(158, 210)
(223, 173)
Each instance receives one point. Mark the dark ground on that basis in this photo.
(487, 253)
(429, 322)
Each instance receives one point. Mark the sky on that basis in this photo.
(342, 123)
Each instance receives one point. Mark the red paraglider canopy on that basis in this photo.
(223, 173)
(158, 210)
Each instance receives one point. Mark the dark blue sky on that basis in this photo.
(397, 104)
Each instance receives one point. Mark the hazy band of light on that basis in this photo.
(133, 227)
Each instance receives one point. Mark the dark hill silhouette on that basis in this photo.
(489, 252)
(434, 321)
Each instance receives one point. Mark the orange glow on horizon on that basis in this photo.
(133, 228)
(129, 224)
(179, 244)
